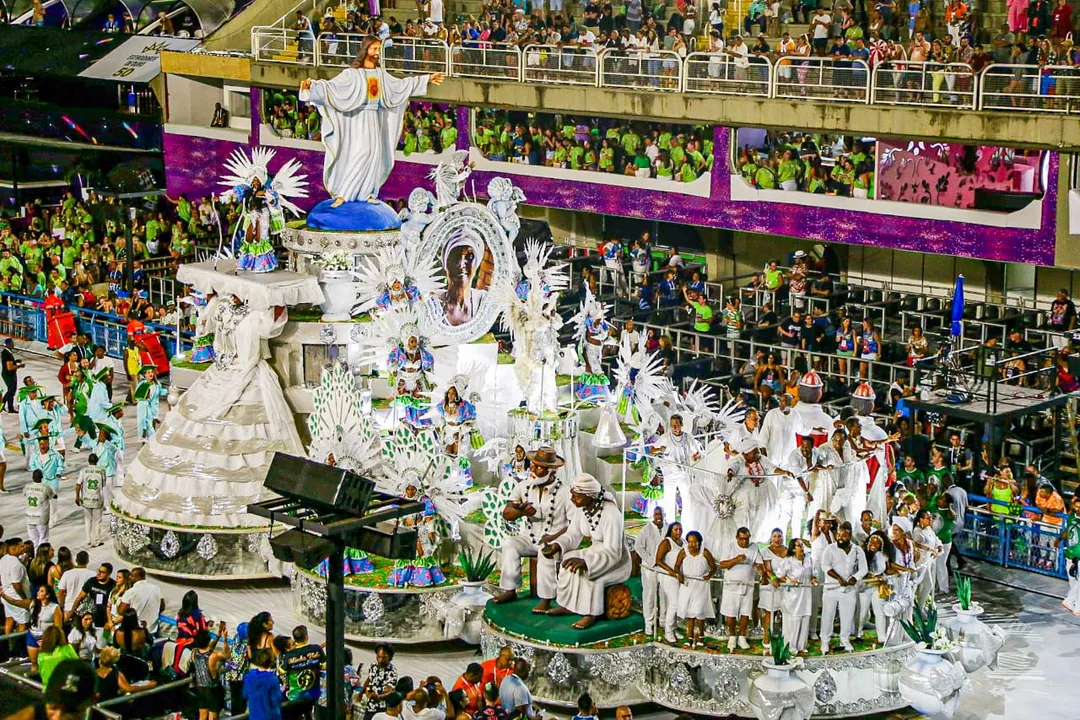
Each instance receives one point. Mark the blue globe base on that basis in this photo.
(359, 216)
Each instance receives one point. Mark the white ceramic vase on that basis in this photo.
(470, 603)
(979, 643)
(780, 694)
(931, 683)
(339, 295)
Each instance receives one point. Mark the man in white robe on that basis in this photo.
(586, 573)
(677, 450)
(362, 112)
(543, 500)
(776, 434)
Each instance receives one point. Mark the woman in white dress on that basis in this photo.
(796, 574)
(667, 553)
(878, 551)
(903, 575)
(695, 568)
(769, 593)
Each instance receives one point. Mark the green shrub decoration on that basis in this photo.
(781, 653)
(477, 566)
(963, 591)
(923, 624)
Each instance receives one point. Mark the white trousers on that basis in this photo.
(796, 628)
(514, 549)
(791, 511)
(653, 599)
(870, 600)
(815, 603)
(38, 534)
(941, 568)
(54, 511)
(1072, 600)
(925, 589)
(670, 587)
(92, 523)
(677, 481)
(833, 599)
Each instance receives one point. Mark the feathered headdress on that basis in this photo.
(591, 308)
(406, 265)
(537, 270)
(286, 182)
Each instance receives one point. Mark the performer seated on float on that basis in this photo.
(544, 502)
(587, 572)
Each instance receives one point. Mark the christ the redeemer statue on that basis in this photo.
(362, 112)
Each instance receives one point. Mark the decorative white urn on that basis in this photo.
(780, 694)
(339, 293)
(470, 602)
(931, 683)
(979, 643)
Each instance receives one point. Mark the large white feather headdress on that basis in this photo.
(286, 182)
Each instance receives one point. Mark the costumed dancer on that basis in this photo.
(926, 540)
(796, 572)
(667, 555)
(695, 568)
(754, 493)
(202, 349)
(645, 545)
(808, 417)
(874, 589)
(844, 565)
(901, 602)
(98, 402)
(776, 434)
(29, 414)
(54, 411)
(1071, 537)
(147, 402)
(544, 502)
(410, 365)
(834, 482)
(871, 477)
(455, 417)
(90, 496)
(797, 490)
(641, 380)
(770, 596)
(593, 333)
(397, 279)
(677, 450)
(112, 421)
(586, 572)
(264, 202)
(46, 459)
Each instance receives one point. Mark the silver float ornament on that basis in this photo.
(170, 545)
(373, 608)
(825, 688)
(682, 682)
(207, 547)
(723, 506)
(559, 670)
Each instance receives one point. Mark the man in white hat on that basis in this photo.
(587, 572)
(543, 501)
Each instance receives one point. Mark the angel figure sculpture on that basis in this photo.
(263, 200)
(417, 215)
(450, 179)
(503, 199)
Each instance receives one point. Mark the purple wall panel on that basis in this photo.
(193, 165)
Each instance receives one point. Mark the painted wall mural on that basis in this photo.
(189, 161)
(948, 173)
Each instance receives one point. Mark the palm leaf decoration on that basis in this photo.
(781, 652)
(477, 565)
(923, 624)
(963, 592)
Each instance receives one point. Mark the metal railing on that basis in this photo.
(660, 70)
(922, 83)
(1051, 88)
(281, 45)
(561, 65)
(717, 74)
(822, 79)
(1011, 540)
(493, 61)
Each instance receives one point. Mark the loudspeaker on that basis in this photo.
(321, 486)
(304, 550)
(386, 539)
(1002, 201)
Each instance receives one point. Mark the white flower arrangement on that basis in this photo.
(942, 641)
(338, 261)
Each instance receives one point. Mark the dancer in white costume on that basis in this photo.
(877, 549)
(754, 493)
(695, 568)
(667, 554)
(870, 477)
(770, 595)
(776, 434)
(208, 459)
(796, 573)
(585, 573)
(677, 450)
(832, 486)
(739, 558)
(544, 502)
(797, 490)
(362, 111)
(645, 545)
(844, 565)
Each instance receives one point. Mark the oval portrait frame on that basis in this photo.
(451, 223)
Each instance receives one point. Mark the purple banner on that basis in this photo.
(193, 165)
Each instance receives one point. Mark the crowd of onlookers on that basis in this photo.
(814, 163)
(663, 151)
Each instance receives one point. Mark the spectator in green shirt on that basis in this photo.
(765, 178)
(423, 141)
(686, 173)
(631, 141)
(787, 173)
(577, 152)
(448, 137)
(607, 156)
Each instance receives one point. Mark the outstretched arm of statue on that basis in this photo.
(433, 78)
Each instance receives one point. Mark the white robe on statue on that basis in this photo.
(607, 560)
(362, 113)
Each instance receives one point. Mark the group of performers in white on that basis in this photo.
(96, 428)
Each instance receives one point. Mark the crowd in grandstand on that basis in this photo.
(664, 151)
(811, 163)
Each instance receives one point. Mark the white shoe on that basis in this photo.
(731, 644)
(825, 646)
(670, 637)
(848, 648)
(649, 631)
(743, 645)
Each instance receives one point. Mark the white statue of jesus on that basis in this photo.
(362, 111)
